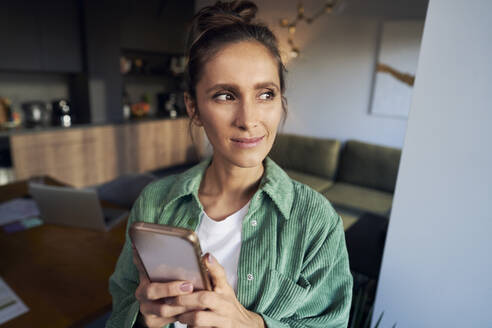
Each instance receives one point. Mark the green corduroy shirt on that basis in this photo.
(293, 266)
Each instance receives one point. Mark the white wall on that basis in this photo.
(329, 87)
(399, 49)
(437, 266)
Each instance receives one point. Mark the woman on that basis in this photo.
(279, 256)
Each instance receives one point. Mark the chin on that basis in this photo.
(245, 160)
(248, 161)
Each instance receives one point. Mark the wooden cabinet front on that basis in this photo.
(89, 156)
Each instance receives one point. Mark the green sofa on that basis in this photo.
(356, 178)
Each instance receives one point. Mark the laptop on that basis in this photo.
(74, 207)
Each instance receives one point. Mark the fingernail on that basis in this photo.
(186, 287)
(210, 258)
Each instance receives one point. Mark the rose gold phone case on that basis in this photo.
(169, 254)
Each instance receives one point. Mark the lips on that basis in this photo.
(247, 142)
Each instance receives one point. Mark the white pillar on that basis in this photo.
(437, 264)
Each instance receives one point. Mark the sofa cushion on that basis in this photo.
(310, 155)
(363, 199)
(368, 165)
(317, 183)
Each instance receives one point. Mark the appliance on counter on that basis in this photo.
(36, 113)
(61, 113)
(40, 114)
(171, 104)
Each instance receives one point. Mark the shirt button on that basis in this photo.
(250, 277)
(254, 223)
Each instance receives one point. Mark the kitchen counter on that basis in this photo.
(90, 154)
(6, 132)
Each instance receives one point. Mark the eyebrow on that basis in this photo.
(235, 88)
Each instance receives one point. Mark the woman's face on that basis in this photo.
(239, 103)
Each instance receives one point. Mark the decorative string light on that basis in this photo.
(301, 16)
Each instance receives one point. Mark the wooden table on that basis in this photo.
(61, 273)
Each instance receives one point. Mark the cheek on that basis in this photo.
(273, 117)
(214, 122)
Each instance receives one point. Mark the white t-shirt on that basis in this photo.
(223, 240)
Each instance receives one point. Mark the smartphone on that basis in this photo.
(169, 254)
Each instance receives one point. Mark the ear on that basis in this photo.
(191, 109)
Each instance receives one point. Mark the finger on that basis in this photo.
(216, 272)
(157, 290)
(153, 321)
(201, 319)
(202, 300)
(162, 309)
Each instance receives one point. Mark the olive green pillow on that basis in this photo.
(369, 165)
(306, 154)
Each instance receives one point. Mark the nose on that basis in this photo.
(246, 115)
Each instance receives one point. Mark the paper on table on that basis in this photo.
(17, 209)
(11, 305)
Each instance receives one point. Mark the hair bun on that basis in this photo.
(223, 13)
(220, 14)
(246, 10)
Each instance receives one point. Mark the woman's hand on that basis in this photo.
(155, 298)
(224, 310)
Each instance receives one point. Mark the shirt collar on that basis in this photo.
(278, 186)
(188, 182)
(275, 183)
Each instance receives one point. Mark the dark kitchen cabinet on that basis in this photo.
(20, 37)
(60, 36)
(155, 25)
(40, 36)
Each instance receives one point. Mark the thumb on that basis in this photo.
(216, 272)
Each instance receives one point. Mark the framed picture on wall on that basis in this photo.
(396, 65)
